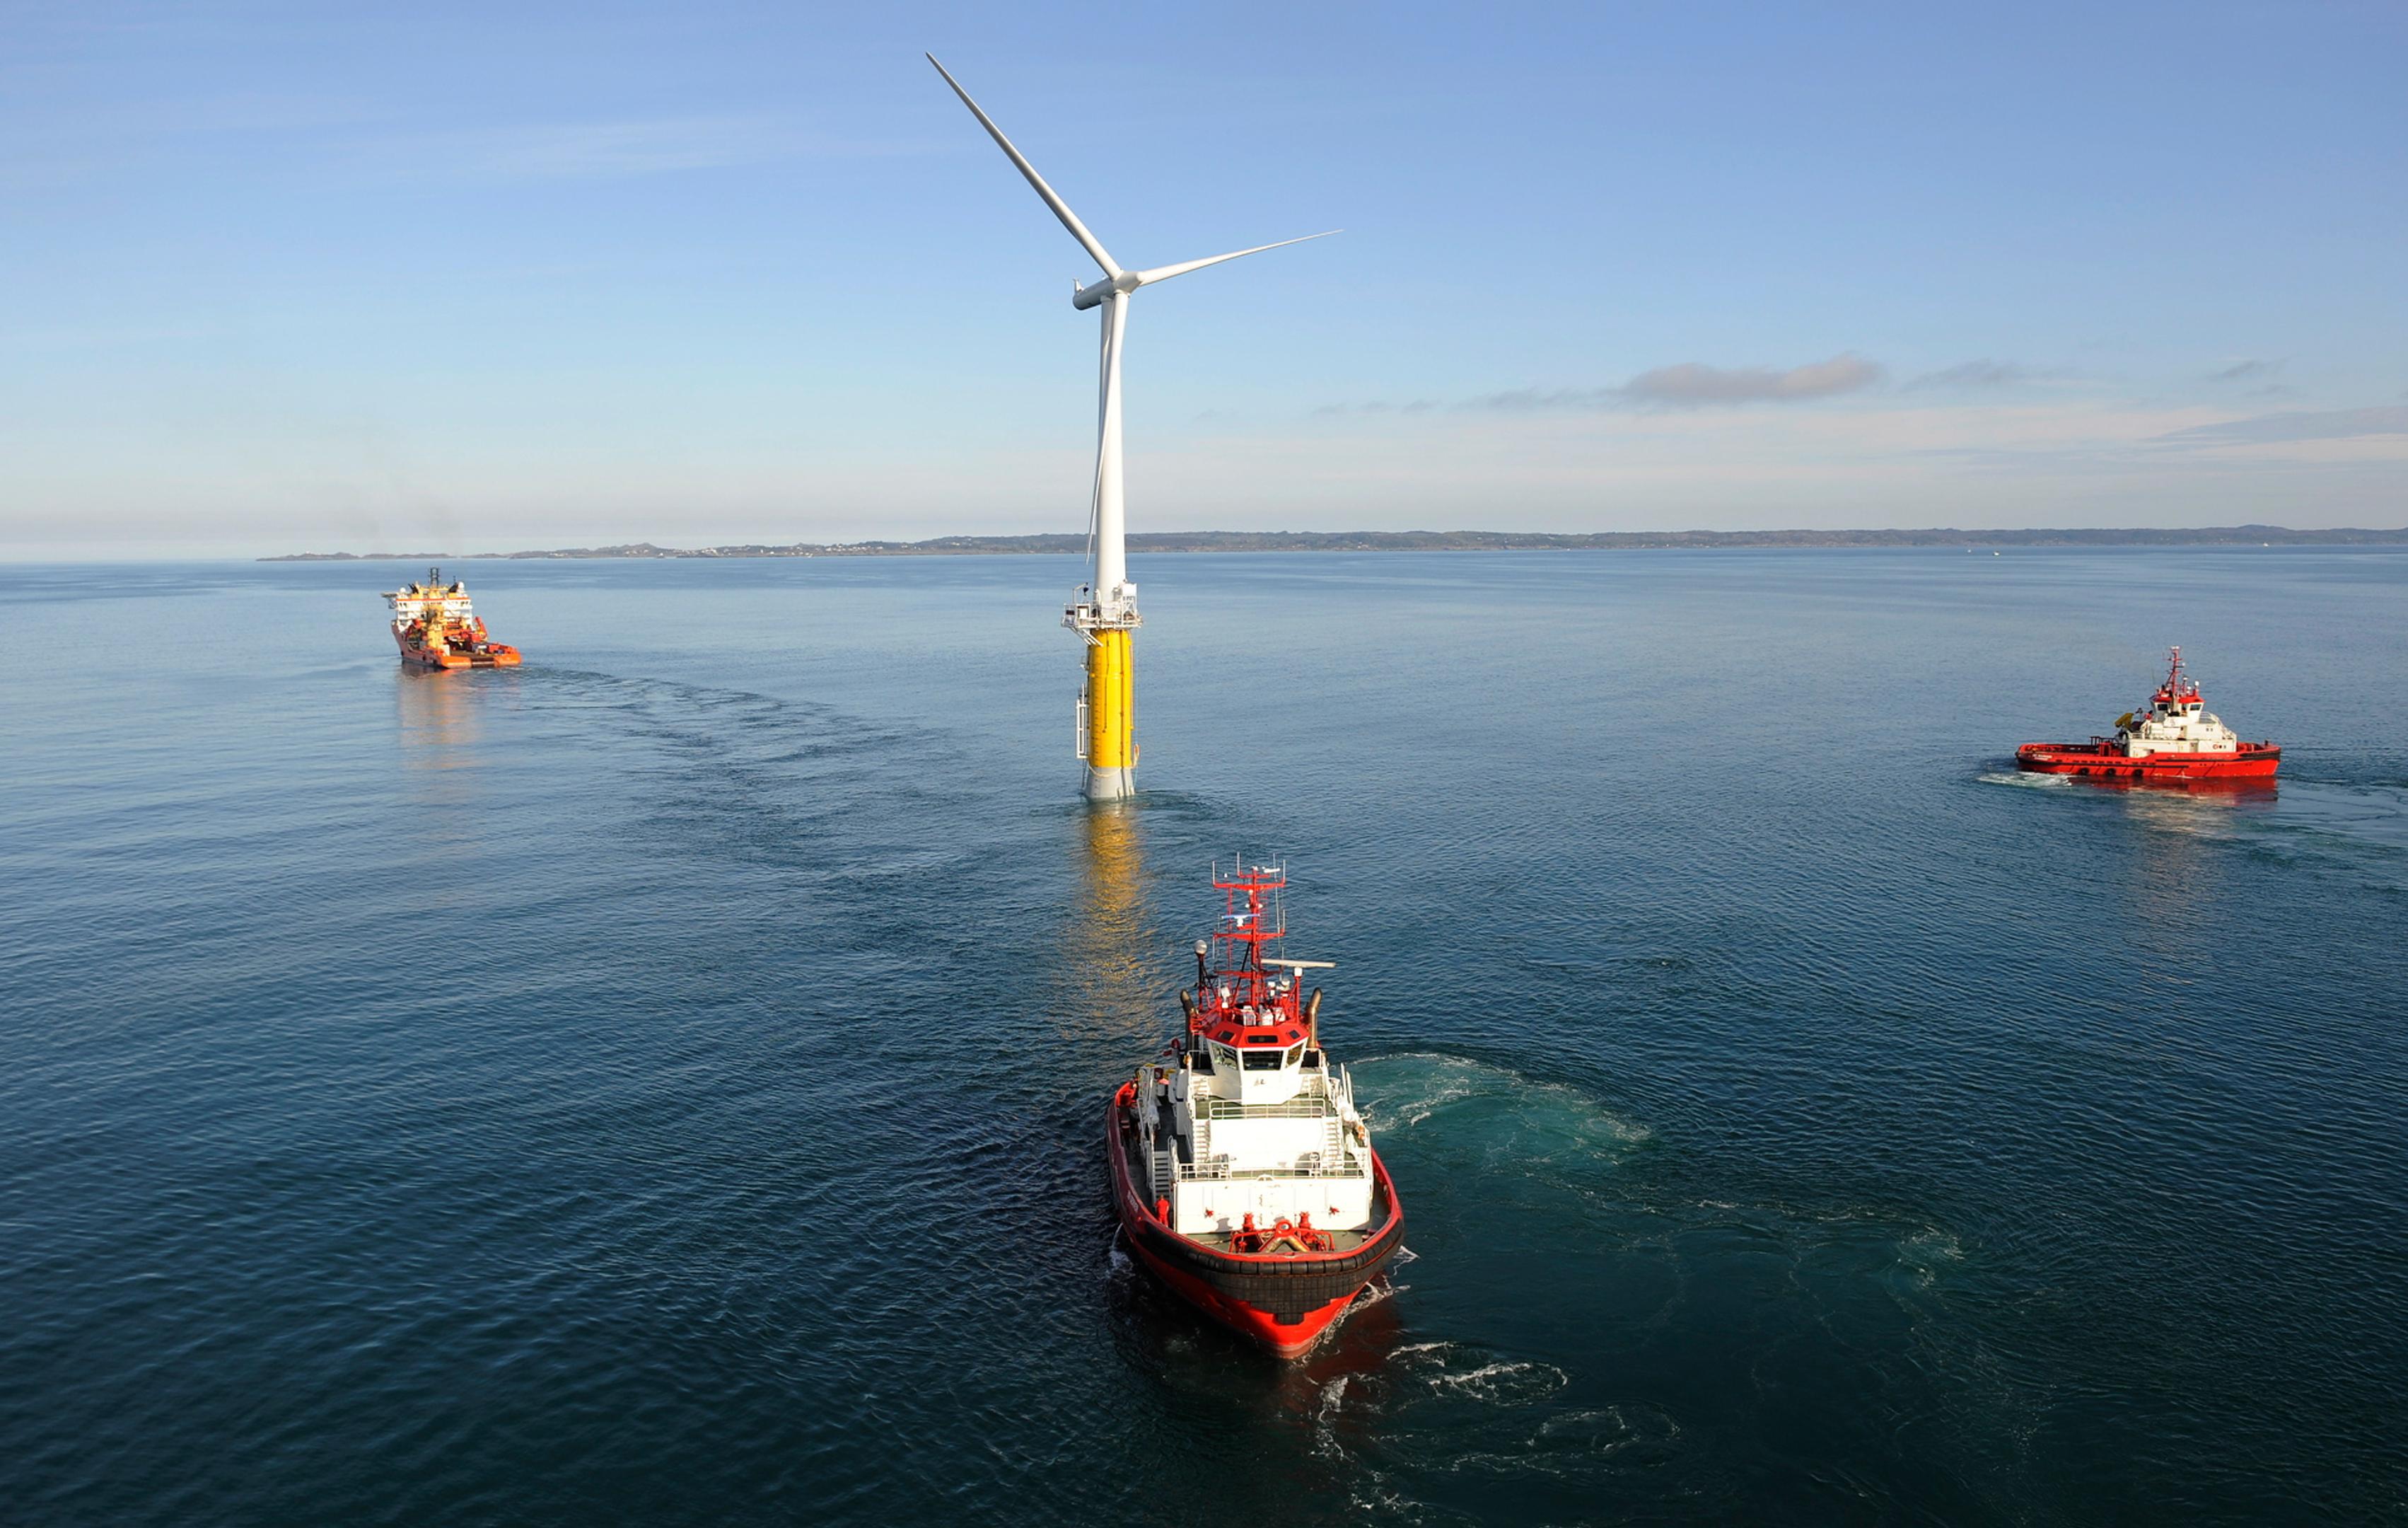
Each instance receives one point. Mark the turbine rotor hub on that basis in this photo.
(1124, 283)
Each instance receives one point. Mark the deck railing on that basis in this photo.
(1219, 1171)
(1295, 1108)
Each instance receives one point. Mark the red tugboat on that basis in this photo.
(2174, 739)
(1243, 1176)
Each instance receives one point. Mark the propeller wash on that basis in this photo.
(1104, 614)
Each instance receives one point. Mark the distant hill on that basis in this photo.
(360, 556)
(1445, 541)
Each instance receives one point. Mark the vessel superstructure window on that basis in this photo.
(1295, 1054)
(1222, 1055)
(1265, 1061)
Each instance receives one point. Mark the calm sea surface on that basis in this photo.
(663, 1083)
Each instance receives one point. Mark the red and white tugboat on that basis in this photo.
(1243, 1176)
(2173, 739)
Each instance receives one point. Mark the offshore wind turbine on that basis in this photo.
(1105, 613)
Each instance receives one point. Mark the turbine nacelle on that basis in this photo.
(1087, 297)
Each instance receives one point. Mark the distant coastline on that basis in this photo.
(1432, 540)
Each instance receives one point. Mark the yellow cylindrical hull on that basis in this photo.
(1111, 713)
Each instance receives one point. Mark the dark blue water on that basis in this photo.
(661, 1083)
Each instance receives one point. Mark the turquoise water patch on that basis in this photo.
(1462, 1115)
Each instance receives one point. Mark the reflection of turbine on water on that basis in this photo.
(1113, 985)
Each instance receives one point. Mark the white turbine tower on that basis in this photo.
(1106, 611)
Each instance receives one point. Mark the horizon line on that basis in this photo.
(1205, 541)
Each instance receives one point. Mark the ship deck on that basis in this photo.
(1342, 1240)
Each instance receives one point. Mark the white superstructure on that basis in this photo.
(1252, 1124)
(2175, 721)
(432, 603)
(1266, 1131)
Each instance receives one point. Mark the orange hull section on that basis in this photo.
(2251, 761)
(495, 656)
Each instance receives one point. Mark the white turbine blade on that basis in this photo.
(1163, 273)
(1061, 208)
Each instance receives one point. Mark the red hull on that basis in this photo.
(2250, 761)
(1283, 1302)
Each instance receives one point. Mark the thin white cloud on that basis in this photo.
(2298, 424)
(1377, 406)
(286, 132)
(614, 148)
(2245, 369)
(1974, 374)
(1694, 384)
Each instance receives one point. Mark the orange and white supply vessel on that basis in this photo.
(1243, 1173)
(2174, 738)
(436, 628)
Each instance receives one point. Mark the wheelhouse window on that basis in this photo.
(1265, 1061)
(1224, 1056)
(1295, 1054)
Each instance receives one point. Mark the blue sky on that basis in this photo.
(479, 277)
